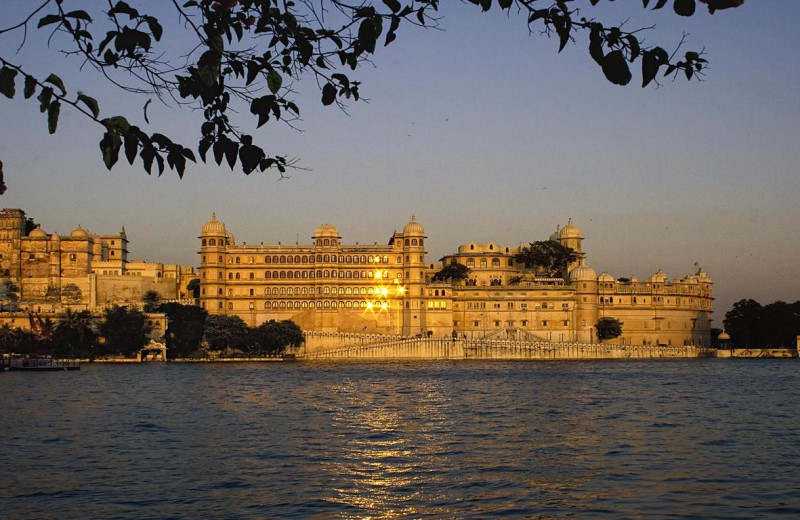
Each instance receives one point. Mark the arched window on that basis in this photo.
(355, 274)
(203, 243)
(219, 291)
(319, 273)
(283, 290)
(274, 274)
(420, 241)
(413, 241)
(251, 260)
(219, 274)
(326, 242)
(230, 276)
(363, 259)
(212, 242)
(267, 274)
(230, 292)
(319, 258)
(219, 259)
(297, 259)
(408, 242)
(274, 290)
(470, 262)
(305, 274)
(283, 259)
(327, 258)
(495, 262)
(238, 260)
(348, 259)
(348, 274)
(238, 276)
(252, 276)
(327, 273)
(283, 274)
(267, 305)
(305, 259)
(252, 292)
(266, 259)
(290, 274)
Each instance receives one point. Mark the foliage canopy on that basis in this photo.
(608, 328)
(547, 256)
(454, 272)
(245, 55)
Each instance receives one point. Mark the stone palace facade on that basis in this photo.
(80, 270)
(388, 289)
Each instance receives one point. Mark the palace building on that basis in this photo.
(80, 269)
(389, 289)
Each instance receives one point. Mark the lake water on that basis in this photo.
(626, 439)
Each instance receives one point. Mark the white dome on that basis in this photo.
(569, 231)
(38, 233)
(658, 277)
(413, 228)
(79, 232)
(213, 226)
(583, 273)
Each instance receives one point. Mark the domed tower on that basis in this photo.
(212, 265)
(584, 279)
(570, 236)
(414, 278)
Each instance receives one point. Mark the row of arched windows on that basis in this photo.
(324, 304)
(320, 273)
(484, 262)
(309, 291)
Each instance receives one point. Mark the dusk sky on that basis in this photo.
(481, 130)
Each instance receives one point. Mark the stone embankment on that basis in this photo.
(354, 346)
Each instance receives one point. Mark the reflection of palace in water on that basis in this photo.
(389, 289)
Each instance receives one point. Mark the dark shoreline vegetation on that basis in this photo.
(122, 331)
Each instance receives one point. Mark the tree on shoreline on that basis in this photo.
(245, 55)
(124, 330)
(608, 328)
(185, 327)
(752, 325)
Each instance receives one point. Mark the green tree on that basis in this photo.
(273, 337)
(548, 256)
(151, 300)
(30, 225)
(225, 332)
(608, 328)
(74, 335)
(744, 324)
(454, 272)
(185, 328)
(124, 330)
(194, 287)
(71, 294)
(244, 55)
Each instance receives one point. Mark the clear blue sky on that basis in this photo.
(484, 133)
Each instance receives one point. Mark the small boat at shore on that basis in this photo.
(36, 364)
